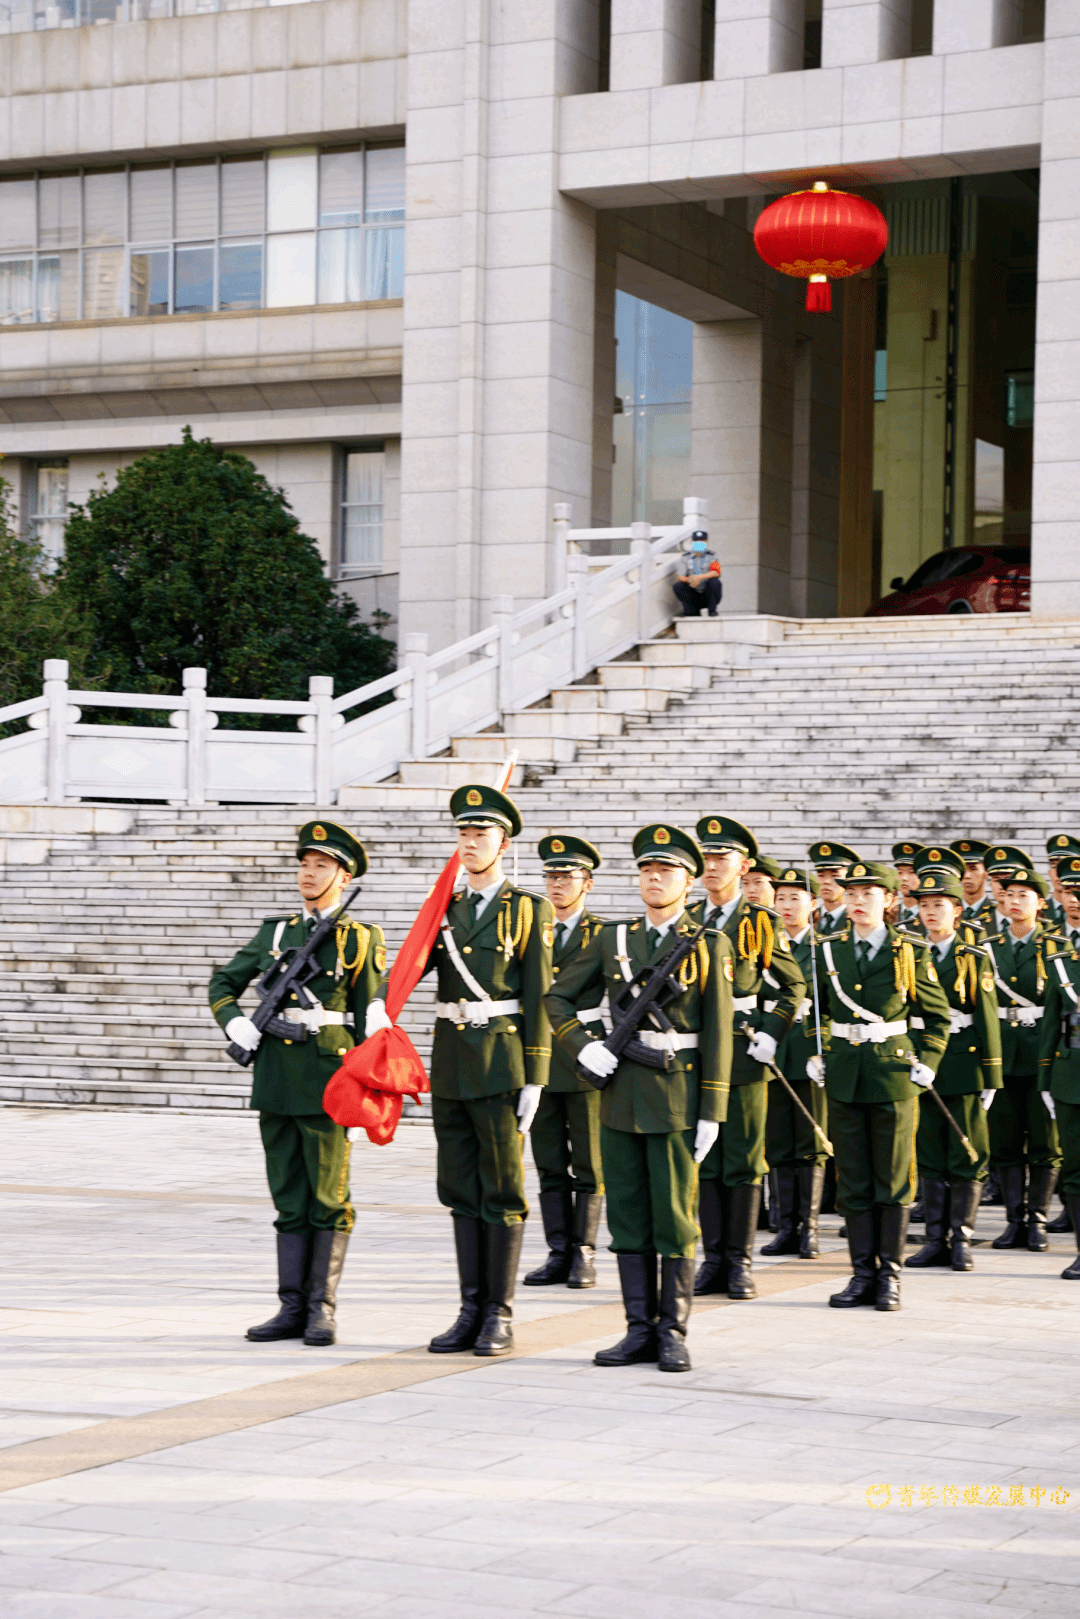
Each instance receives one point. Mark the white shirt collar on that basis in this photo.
(1020, 938)
(667, 926)
(873, 941)
(797, 938)
(725, 912)
(942, 949)
(571, 921)
(486, 895)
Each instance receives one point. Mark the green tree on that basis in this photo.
(193, 559)
(37, 620)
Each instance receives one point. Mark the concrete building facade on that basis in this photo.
(381, 248)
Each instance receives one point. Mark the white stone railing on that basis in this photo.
(602, 608)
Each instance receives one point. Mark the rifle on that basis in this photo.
(290, 974)
(656, 987)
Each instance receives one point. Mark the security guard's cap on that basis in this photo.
(1069, 871)
(935, 857)
(669, 844)
(1002, 858)
(904, 853)
(718, 834)
(938, 880)
(798, 877)
(874, 872)
(698, 534)
(973, 850)
(326, 837)
(831, 856)
(1024, 877)
(561, 852)
(1060, 845)
(485, 806)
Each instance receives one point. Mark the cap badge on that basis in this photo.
(1021, 876)
(1062, 841)
(999, 854)
(319, 834)
(714, 826)
(933, 854)
(473, 798)
(858, 871)
(662, 835)
(791, 876)
(557, 846)
(823, 848)
(928, 882)
(1074, 865)
(964, 847)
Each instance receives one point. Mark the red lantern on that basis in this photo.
(821, 235)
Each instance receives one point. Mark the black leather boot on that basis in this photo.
(991, 1197)
(713, 1271)
(676, 1297)
(1011, 1181)
(740, 1248)
(501, 1254)
(894, 1224)
(293, 1258)
(637, 1277)
(917, 1211)
(863, 1285)
(811, 1186)
(935, 1250)
(1041, 1185)
(769, 1211)
(468, 1244)
(327, 1259)
(587, 1206)
(1063, 1221)
(786, 1186)
(963, 1203)
(557, 1213)
(1071, 1273)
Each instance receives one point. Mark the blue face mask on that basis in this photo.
(697, 545)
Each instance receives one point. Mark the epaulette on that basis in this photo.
(769, 912)
(285, 916)
(995, 938)
(911, 938)
(828, 938)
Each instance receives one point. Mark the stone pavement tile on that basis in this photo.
(204, 1557)
(840, 1569)
(79, 1524)
(52, 1574)
(597, 1599)
(249, 1598)
(358, 1538)
(1045, 1601)
(33, 1539)
(867, 1603)
(464, 1586)
(635, 1574)
(77, 1605)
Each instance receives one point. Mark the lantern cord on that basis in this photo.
(818, 295)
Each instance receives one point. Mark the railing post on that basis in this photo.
(502, 616)
(195, 692)
(560, 545)
(578, 569)
(321, 692)
(56, 690)
(416, 659)
(695, 513)
(641, 547)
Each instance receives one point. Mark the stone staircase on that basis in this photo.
(864, 729)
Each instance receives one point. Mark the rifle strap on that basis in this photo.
(275, 948)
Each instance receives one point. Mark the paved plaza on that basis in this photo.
(154, 1465)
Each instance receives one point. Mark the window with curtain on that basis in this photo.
(48, 505)
(362, 509)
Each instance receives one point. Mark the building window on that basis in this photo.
(48, 506)
(362, 510)
(189, 238)
(654, 362)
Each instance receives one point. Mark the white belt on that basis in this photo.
(475, 1013)
(744, 1003)
(593, 1016)
(859, 1034)
(770, 1006)
(669, 1040)
(957, 1021)
(1026, 1016)
(317, 1017)
(801, 1011)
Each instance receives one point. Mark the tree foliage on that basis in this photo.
(37, 620)
(193, 559)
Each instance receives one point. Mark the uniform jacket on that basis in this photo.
(800, 1042)
(983, 912)
(1023, 967)
(882, 1073)
(508, 952)
(290, 1077)
(656, 1101)
(565, 1075)
(1059, 1063)
(972, 1060)
(778, 989)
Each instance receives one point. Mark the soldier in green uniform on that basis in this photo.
(903, 855)
(656, 1124)
(968, 1076)
(978, 902)
(1059, 1060)
(769, 988)
(999, 863)
(796, 1155)
(830, 860)
(758, 883)
(1023, 1136)
(566, 1131)
(878, 980)
(489, 1064)
(307, 1154)
(1058, 845)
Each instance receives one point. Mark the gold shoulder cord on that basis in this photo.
(703, 963)
(967, 977)
(756, 942)
(688, 970)
(341, 939)
(904, 971)
(515, 936)
(1040, 964)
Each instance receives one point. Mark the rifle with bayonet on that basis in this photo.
(289, 975)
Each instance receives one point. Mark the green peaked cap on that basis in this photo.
(661, 841)
(485, 806)
(1004, 857)
(870, 871)
(719, 833)
(938, 880)
(798, 877)
(972, 849)
(562, 852)
(829, 856)
(326, 837)
(935, 857)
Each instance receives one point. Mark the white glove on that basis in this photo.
(706, 1133)
(1051, 1105)
(986, 1097)
(375, 1018)
(762, 1047)
(528, 1102)
(922, 1075)
(598, 1059)
(242, 1032)
(815, 1070)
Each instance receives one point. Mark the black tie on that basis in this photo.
(652, 938)
(475, 901)
(563, 933)
(862, 955)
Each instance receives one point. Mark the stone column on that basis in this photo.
(757, 36)
(854, 31)
(975, 25)
(654, 42)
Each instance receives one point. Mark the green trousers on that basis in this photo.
(1020, 1126)
(937, 1149)
(651, 1192)
(874, 1144)
(738, 1156)
(1068, 1123)
(566, 1141)
(789, 1140)
(307, 1167)
(480, 1175)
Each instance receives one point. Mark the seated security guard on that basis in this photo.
(307, 1154)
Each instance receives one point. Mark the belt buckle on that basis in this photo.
(858, 1034)
(479, 1018)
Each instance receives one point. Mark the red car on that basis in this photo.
(969, 579)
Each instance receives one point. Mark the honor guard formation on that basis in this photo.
(877, 1035)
